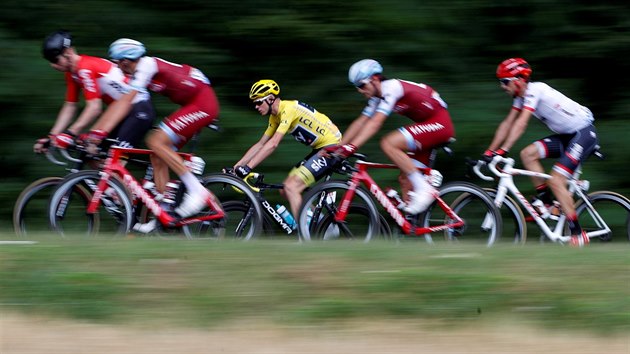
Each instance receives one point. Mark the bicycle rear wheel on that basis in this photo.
(482, 220)
(67, 208)
(243, 215)
(323, 200)
(614, 209)
(30, 209)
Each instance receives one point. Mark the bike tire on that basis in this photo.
(362, 223)
(31, 205)
(67, 214)
(510, 210)
(243, 214)
(614, 209)
(483, 222)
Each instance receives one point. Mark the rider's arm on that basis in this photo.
(367, 130)
(354, 128)
(66, 113)
(520, 124)
(503, 130)
(252, 151)
(115, 113)
(91, 110)
(268, 147)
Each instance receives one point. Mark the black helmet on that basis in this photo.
(55, 43)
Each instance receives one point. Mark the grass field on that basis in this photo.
(205, 285)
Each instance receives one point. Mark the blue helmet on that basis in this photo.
(55, 44)
(126, 48)
(362, 70)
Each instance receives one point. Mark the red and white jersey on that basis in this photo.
(560, 113)
(180, 83)
(98, 78)
(413, 100)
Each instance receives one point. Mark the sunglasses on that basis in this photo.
(258, 102)
(361, 84)
(507, 81)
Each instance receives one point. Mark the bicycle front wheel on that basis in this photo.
(30, 209)
(316, 220)
(482, 220)
(243, 215)
(613, 208)
(67, 208)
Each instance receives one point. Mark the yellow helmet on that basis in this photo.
(264, 88)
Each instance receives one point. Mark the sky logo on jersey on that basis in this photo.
(319, 163)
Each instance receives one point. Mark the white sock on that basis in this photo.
(418, 181)
(192, 183)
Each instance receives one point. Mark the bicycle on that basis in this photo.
(119, 194)
(346, 205)
(273, 221)
(589, 216)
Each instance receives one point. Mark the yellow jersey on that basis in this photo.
(305, 123)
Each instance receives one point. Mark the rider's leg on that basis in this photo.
(162, 146)
(531, 157)
(293, 188)
(395, 146)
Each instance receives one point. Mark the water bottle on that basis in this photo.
(542, 209)
(392, 194)
(309, 216)
(286, 215)
(196, 165)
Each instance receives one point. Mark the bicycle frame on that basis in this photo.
(113, 167)
(361, 176)
(506, 184)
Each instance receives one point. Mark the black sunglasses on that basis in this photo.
(506, 81)
(258, 103)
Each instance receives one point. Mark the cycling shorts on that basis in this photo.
(134, 127)
(424, 136)
(313, 167)
(570, 149)
(182, 124)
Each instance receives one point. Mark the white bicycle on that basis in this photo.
(601, 214)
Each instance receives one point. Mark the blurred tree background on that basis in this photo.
(579, 47)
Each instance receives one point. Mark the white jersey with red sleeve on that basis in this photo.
(560, 113)
(179, 82)
(98, 78)
(413, 100)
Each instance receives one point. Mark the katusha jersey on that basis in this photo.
(560, 113)
(179, 82)
(413, 100)
(306, 124)
(98, 78)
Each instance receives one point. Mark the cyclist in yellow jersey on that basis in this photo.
(307, 126)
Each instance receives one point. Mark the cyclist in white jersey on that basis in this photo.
(574, 141)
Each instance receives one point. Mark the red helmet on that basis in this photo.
(513, 67)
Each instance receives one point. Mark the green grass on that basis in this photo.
(199, 284)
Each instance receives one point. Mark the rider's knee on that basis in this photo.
(529, 153)
(293, 184)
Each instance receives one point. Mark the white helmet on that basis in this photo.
(362, 70)
(126, 48)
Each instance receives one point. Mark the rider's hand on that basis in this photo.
(95, 136)
(345, 151)
(41, 145)
(228, 170)
(488, 155)
(242, 171)
(64, 140)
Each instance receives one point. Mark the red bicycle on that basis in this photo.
(346, 209)
(117, 197)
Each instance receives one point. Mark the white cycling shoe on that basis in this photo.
(146, 227)
(192, 204)
(420, 201)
